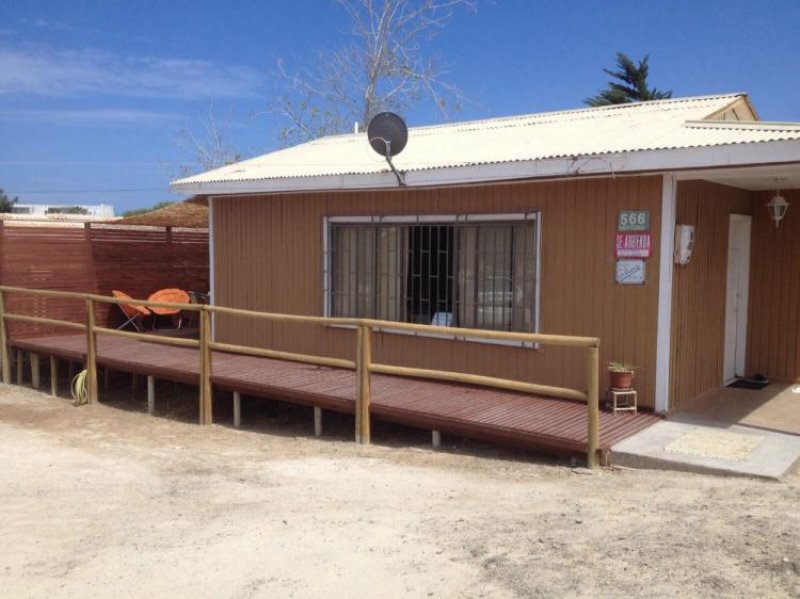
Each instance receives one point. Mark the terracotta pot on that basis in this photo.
(621, 380)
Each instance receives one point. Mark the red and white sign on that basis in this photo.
(633, 245)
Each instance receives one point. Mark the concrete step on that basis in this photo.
(710, 448)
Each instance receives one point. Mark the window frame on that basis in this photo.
(444, 219)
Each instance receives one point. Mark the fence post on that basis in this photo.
(593, 401)
(169, 255)
(363, 363)
(4, 349)
(206, 407)
(91, 351)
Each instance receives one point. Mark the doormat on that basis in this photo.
(750, 382)
(711, 443)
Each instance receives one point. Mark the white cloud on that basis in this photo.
(51, 25)
(87, 116)
(46, 72)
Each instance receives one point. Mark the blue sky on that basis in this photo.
(93, 95)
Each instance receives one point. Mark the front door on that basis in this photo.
(738, 291)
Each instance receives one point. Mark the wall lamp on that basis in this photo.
(777, 207)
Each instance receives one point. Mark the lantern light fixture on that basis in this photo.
(777, 207)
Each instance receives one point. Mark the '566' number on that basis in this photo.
(634, 220)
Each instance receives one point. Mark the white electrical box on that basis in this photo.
(684, 243)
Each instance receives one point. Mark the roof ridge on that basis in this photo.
(588, 110)
(744, 125)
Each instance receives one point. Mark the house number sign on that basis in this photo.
(633, 220)
(633, 245)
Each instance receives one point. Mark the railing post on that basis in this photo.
(206, 408)
(91, 351)
(53, 376)
(36, 362)
(237, 409)
(4, 349)
(363, 363)
(593, 401)
(359, 368)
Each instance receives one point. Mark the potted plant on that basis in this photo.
(621, 374)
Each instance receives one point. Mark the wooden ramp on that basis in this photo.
(506, 417)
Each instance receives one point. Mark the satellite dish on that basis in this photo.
(387, 134)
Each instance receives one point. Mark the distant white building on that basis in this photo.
(97, 210)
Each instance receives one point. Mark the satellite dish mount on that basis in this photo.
(388, 134)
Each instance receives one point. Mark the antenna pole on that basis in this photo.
(388, 144)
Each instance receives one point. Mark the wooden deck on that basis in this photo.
(517, 419)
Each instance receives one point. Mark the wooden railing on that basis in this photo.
(363, 364)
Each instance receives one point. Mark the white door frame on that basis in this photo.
(737, 292)
(669, 201)
(212, 292)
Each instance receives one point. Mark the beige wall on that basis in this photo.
(269, 256)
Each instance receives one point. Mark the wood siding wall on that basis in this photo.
(698, 300)
(96, 259)
(269, 256)
(773, 337)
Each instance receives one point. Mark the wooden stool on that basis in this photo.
(621, 400)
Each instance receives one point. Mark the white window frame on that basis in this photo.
(534, 215)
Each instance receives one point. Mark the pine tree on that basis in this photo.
(6, 203)
(629, 84)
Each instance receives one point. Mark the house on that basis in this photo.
(645, 225)
(96, 210)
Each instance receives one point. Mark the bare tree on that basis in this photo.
(208, 146)
(384, 67)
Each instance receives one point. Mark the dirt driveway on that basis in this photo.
(107, 502)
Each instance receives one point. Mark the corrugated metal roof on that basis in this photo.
(658, 125)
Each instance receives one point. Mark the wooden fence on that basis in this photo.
(363, 364)
(97, 258)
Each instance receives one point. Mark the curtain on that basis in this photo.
(493, 287)
(392, 255)
(350, 271)
(369, 265)
(524, 260)
(496, 272)
(466, 292)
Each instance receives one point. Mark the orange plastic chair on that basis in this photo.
(177, 296)
(133, 314)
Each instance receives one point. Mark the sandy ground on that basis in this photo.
(104, 501)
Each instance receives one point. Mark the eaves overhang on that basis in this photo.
(598, 165)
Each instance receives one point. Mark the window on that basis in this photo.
(466, 271)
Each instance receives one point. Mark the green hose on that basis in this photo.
(80, 390)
